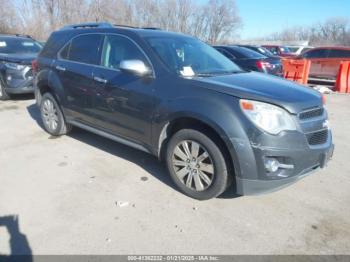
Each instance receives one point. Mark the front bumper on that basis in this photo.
(306, 163)
(298, 153)
(18, 81)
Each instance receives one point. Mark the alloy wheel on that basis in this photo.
(50, 114)
(193, 165)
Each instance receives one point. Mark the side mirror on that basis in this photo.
(136, 67)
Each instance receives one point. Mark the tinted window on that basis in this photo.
(86, 49)
(118, 48)
(242, 52)
(12, 45)
(293, 49)
(225, 53)
(64, 52)
(316, 53)
(186, 55)
(273, 50)
(339, 53)
(285, 50)
(264, 51)
(54, 44)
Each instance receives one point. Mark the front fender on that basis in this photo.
(221, 114)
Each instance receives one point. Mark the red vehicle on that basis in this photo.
(281, 51)
(325, 61)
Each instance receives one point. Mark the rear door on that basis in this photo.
(124, 101)
(75, 66)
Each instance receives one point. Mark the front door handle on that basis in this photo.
(100, 80)
(60, 68)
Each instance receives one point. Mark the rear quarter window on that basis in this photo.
(55, 42)
(318, 53)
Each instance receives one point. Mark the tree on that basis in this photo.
(333, 31)
(214, 21)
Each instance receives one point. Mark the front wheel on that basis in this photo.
(52, 116)
(196, 164)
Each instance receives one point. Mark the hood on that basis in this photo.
(266, 88)
(25, 58)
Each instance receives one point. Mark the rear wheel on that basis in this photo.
(52, 116)
(197, 165)
(3, 94)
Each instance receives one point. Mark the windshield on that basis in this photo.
(293, 49)
(264, 51)
(18, 45)
(188, 56)
(285, 50)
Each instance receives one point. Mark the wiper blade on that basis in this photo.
(220, 73)
(205, 74)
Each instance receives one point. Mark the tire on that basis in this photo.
(52, 116)
(3, 94)
(188, 176)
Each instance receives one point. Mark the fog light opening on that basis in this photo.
(271, 165)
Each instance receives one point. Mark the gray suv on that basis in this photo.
(173, 96)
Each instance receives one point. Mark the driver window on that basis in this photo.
(117, 48)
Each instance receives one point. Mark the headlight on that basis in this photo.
(267, 117)
(14, 66)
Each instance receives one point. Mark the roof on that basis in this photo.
(333, 47)
(15, 36)
(107, 27)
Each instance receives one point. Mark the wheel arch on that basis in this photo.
(203, 125)
(47, 81)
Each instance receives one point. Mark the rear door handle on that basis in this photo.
(60, 68)
(100, 80)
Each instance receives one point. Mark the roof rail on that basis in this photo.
(127, 26)
(22, 35)
(151, 28)
(135, 27)
(18, 35)
(87, 25)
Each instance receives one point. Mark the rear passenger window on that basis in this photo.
(85, 49)
(339, 53)
(318, 53)
(118, 48)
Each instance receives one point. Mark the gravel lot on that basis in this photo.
(69, 195)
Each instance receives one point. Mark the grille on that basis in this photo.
(317, 138)
(311, 113)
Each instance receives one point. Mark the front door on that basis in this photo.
(124, 101)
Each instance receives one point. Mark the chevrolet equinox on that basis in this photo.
(173, 96)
